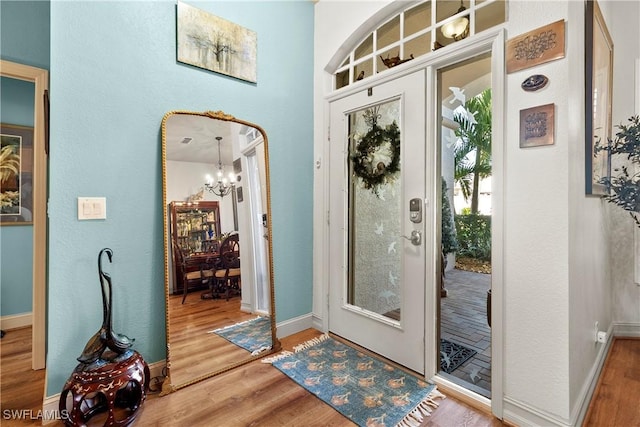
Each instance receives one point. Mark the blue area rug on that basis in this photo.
(365, 389)
(253, 335)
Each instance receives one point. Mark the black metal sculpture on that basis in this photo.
(105, 338)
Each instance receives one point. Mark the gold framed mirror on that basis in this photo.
(219, 291)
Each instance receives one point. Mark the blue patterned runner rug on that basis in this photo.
(253, 335)
(365, 389)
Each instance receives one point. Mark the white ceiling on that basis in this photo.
(203, 147)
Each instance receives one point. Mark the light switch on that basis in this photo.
(92, 208)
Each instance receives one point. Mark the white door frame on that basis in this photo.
(489, 41)
(40, 78)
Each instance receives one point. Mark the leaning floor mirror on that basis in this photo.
(217, 238)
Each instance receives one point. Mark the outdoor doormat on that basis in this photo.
(253, 335)
(363, 388)
(453, 355)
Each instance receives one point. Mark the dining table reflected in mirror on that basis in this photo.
(218, 264)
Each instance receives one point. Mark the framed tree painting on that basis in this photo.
(598, 92)
(210, 42)
(16, 174)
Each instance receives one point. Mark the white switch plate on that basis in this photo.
(92, 208)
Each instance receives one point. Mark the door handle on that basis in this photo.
(415, 238)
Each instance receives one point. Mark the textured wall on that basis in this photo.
(557, 275)
(626, 96)
(113, 77)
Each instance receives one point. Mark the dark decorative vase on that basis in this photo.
(111, 377)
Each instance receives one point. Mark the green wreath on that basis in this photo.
(371, 152)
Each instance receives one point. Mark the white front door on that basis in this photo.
(377, 219)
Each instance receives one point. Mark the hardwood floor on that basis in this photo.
(189, 326)
(256, 394)
(260, 395)
(20, 386)
(616, 397)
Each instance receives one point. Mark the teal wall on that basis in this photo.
(113, 77)
(24, 38)
(24, 32)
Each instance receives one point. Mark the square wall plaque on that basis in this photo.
(537, 126)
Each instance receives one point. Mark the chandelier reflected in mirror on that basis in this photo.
(223, 184)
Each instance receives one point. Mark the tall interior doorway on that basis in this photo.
(464, 94)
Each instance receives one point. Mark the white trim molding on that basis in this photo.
(295, 325)
(628, 330)
(40, 79)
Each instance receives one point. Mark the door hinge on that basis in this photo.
(328, 217)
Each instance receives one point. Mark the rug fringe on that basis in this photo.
(215, 331)
(260, 350)
(277, 357)
(298, 348)
(422, 410)
(310, 343)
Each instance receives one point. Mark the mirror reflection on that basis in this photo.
(218, 266)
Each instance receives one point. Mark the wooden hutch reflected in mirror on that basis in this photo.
(195, 230)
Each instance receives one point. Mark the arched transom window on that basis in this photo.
(416, 31)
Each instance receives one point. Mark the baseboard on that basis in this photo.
(524, 415)
(631, 330)
(245, 307)
(586, 394)
(50, 404)
(318, 323)
(293, 326)
(15, 321)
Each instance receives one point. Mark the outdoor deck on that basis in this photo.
(464, 321)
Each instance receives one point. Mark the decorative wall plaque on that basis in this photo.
(541, 45)
(534, 83)
(537, 126)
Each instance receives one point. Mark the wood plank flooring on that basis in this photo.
(617, 394)
(257, 394)
(20, 386)
(189, 326)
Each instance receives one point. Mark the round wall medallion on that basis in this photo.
(535, 82)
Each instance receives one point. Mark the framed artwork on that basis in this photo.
(207, 41)
(16, 175)
(598, 92)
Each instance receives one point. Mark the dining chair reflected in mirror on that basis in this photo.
(228, 277)
(195, 273)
